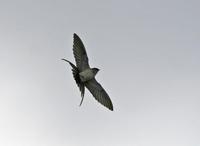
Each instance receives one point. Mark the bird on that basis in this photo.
(84, 75)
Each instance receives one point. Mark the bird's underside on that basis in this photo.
(83, 76)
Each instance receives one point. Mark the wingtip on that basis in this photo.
(111, 108)
(75, 35)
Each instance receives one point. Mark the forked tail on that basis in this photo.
(75, 72)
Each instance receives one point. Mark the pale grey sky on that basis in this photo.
(149, 56)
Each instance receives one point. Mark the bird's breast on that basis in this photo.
(86, 75)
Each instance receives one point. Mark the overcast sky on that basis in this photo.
(148, 52)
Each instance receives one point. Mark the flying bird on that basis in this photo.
(85, 76)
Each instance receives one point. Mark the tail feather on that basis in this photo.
(75, 72)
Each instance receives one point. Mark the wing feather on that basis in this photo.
(99, 93)
(80, 54)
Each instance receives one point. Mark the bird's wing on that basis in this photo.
(99, 93)
(80, 54)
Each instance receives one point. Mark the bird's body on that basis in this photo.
(85, 76)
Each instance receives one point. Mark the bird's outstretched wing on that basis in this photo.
(80, 54)
(99, 93)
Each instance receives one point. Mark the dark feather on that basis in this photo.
(80, 54)
(75, 73)
(99, 93)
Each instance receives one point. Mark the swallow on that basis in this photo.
(84, 76)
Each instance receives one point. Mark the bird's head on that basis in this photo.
(95, 70)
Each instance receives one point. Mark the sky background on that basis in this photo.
(149, 55)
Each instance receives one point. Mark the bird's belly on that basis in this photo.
(86, 75)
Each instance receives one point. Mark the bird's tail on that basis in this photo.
(72, 65)
(75, 72)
